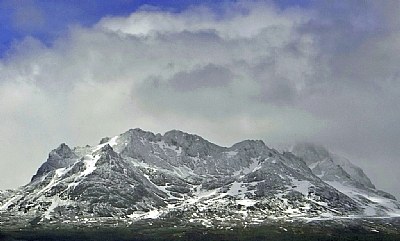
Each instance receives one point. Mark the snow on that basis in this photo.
(137, 163)
(369, 211)
(53, 205)
(61, 171)
(112, 142)
(136, 215)
(246, 202)
(9, 202)
(90, 164)
(164, 190)
(161, 188)
(55, 180)
(301, 186)
(236, 189)
(231, 194)
(201, 195)
(327, 215)
(231, 153)
(179, 151)
(163, 145)
(56, 202)
(371, 208)
(152, 214)
(183, 171)
(253, 166)
(313, 165)
(73, 185)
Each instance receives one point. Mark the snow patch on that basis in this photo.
(313, 165)
(301, 186)
(153, 214)
(246, 202)
(112, 142)
(253, 166)
(231, 153)
(9, 202)
(90, 164)
(377, 202)
(237, 188)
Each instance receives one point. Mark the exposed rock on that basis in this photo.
(139, 175)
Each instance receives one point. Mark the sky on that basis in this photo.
(280, 71)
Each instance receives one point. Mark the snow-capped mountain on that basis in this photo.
(140, 175)
(346, 177)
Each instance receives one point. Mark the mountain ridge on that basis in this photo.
(139, 175)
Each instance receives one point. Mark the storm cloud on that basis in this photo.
(327, 73)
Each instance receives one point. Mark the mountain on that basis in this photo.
(346, 177)
(139, 175)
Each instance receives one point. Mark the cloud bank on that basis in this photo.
(327, 74)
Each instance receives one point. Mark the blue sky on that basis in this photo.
(49, 19)
(46, 20)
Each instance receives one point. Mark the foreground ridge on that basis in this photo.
(139, 175)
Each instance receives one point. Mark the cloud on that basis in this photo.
(242, 19)
(209, 76)
(252, 71)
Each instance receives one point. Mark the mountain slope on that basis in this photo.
(140, 175)
(348, 178)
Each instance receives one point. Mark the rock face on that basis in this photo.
(140, 175)
(330, 166)
(346, 177)
(58, 158)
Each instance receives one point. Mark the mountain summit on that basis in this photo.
(139, 175)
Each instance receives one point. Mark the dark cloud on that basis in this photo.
(278, 91)
(209, 76)
(358, 83)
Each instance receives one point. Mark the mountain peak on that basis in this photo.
(330, 166)
(60, 157)
(140, 133)
(194, 145)
(63, 151)
(104, 140)
(106, 149)
(182, 137)
(314, 152)
(140, 175)
(249, 144)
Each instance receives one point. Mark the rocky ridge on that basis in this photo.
(139, 175)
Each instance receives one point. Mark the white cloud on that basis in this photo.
(271, 74)
(240, 20)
